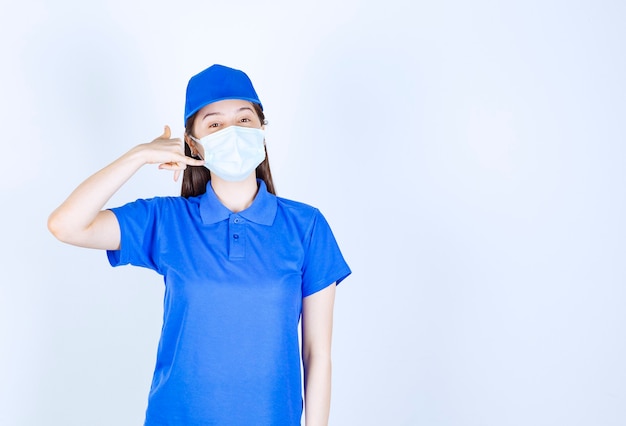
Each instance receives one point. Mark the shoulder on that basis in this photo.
(297, 208)
(294, 205)
(159, 205)
(305, 216)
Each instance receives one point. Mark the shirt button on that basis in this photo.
(236, 236)
(237, 220)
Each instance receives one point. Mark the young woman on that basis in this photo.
(241, 266)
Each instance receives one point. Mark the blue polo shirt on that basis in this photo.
(234, 282)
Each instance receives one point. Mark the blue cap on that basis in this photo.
(218, 83)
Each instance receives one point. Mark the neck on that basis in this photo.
(235, 196)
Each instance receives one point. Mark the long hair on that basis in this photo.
(196, 178)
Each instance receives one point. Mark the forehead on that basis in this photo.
(226, 107)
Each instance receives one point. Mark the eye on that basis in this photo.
(245, 120)
(214, 125)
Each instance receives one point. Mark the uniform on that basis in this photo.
(234, 283)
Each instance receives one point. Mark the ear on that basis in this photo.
(193, 146)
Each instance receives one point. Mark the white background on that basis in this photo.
(469, 157)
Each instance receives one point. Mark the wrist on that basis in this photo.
(137, 155)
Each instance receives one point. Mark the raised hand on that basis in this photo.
(81, 220)
(169, 153)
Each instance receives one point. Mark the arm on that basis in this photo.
(81, 221)
(317, 326)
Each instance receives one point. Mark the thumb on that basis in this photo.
(167, 133)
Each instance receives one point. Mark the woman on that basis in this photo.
(240, 265)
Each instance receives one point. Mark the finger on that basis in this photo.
(167, 133)
(176, 174)
(173, 166)
(190, 161)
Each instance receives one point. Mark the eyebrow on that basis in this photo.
(219, 113)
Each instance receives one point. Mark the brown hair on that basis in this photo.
(196, 178)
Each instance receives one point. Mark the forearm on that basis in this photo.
(80, 209)
(80, 219)
(317, 388)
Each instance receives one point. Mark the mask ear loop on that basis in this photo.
(194, 152)
(265, 123)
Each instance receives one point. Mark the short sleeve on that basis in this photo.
(139, 228)
(323, 262)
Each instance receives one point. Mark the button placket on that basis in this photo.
(237, 240)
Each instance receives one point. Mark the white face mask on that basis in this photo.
(234, 152)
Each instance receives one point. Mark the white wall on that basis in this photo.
(468, 155)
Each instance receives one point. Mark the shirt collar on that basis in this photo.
(262, 210)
